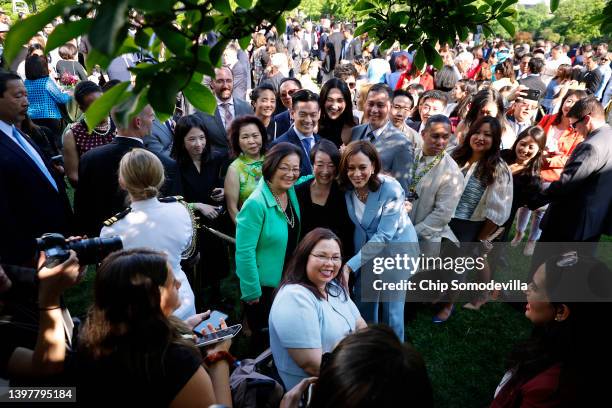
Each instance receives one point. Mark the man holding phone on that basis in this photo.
(523, 112)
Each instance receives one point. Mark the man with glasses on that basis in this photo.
(305, 113)
(592, 77)
(581, 200)
(287, 87)
(394, 148)
(401, 109)
(523, 114)
(228, 109)
(431, 103)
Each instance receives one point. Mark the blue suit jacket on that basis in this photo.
(292, 137)
(384, 221)
(283, 122)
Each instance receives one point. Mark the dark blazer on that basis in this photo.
(353, 51)
(336, 38)
(98, 195)
(29, 205)
(581, 200)
(395, 150)
(283, 122)
(415, 125)
(161, 138)
(215, 132)
(292, 137)
(534, 82)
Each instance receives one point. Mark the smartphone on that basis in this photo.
(59, 159)
(218, 336)
(213, 319)
(532, 94)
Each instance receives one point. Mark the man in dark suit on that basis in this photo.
(288, 87)
(98, 196)
(533, 80)
(336, 38)
(351, 47)
(33, 198)
(581, 200)
(580, 208)
(395, 150)
(228, 109)
(295, 48)
(305, 112)
(592, 76)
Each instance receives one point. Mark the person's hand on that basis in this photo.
(222, 345)
(253, 302)
(518, 92)
(292, 398)
(54, 281)
(208, 211)
(193, 321)
(408, 205)
(346, 272)
(59, 169)
(218, 194)
(5, 282)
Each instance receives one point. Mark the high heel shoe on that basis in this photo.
(436, 319)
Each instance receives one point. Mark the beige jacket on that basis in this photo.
(438, 194)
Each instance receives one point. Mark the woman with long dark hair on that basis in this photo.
(557, 365)
(337, 118)
(329, 62)
(486, 200)
(313, 291)
(201, 183)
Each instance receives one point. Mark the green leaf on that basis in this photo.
(103, 105)
(244, 42)
(507, 4)
(66, 32)
(366, 26)
(245, 4)
(432, 56)
(222, 6)
(25, 29)
(217, 51)
(419, 58)
(110, 26)
(281, 25)
(200, 97)
(152, 5)
(175, 41)
(363, 5)
(554, 5)
(163, 98)
(507, 24)
(143, 37)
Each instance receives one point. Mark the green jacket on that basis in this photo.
(261, 241)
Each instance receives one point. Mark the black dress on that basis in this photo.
(332, 215)
(197, 187)
(332, 130)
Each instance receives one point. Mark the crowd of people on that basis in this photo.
(322, 145)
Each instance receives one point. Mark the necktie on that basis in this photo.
(307, 142)
(227, 114)
(29, 150)
(371, 137)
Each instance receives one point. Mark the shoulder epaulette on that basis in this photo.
(171, 199)
(117, 217)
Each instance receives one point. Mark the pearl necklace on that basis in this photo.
(291, 221)
(106, 127)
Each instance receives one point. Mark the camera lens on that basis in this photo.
(94, 250)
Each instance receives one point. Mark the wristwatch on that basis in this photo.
(218, 356)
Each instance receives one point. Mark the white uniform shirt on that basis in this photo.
(165, 227)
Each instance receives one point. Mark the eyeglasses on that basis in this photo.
(287, 170)
(573, 125)
(323, 258)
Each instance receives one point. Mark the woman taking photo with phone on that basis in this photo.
(375, 204)
(313, 292)
(201, 183)
(267, 232)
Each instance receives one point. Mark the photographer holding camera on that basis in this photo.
(130, 343)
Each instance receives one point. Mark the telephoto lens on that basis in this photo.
(89, 251)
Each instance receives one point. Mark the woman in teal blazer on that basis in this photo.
(267, 231)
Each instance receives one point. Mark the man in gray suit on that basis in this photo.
(239, 71)
(228, 108)
(395, 150)
(161, 137)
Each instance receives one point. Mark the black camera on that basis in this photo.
(89, 251)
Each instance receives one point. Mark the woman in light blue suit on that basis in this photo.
(375, 204)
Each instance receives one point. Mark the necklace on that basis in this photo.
(412, 194)
(104, 130)
(291, 221)
(362, 196)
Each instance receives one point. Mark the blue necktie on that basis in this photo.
(37, 160)
(307, 145)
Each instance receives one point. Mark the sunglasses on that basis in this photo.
(573, 125)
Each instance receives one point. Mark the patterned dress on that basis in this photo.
(249, 173)
(86, 141)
